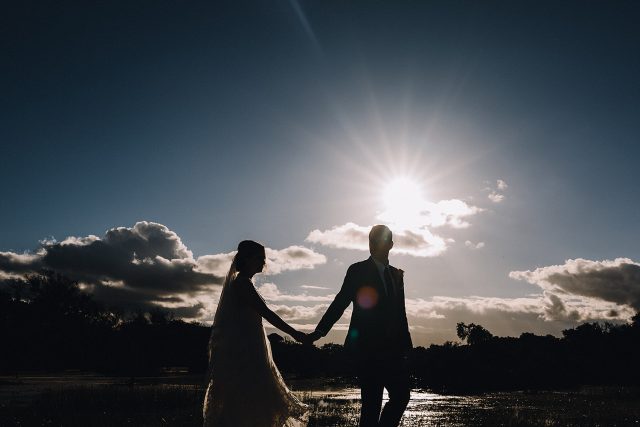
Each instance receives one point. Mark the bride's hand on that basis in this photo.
(299, 336)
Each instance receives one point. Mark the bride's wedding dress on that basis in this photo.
(245, 387)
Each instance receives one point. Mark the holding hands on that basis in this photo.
(301, 337)
(306, 339)
(311, 338)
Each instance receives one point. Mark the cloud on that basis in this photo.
(448, 212)
(278, 261)
(270, 292)
(434, 319)
(147, 266)
(496, 194)
(139, 267)
(435, 307)
(411, 218)
(558, 306)
(614, 281)
(555, 308)
(420, 243)
(299, 312)
(19, 263)
(495, 197)
(472, 245)
(347, 236)
(147, 257)
(217, 264)
(313, 287)
(189, 312)
(292, 258)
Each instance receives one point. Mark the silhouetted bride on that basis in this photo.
(245, 387)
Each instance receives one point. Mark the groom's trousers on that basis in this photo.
(374, 375)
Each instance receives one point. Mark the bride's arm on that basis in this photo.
(251, 297)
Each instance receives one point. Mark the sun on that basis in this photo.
(403, 203)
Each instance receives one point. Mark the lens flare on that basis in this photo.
(367, 297)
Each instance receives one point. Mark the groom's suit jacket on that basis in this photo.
(379, 321)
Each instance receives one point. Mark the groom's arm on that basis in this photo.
(339, 304)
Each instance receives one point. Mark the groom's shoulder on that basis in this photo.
(392, 268)
(397, 272)
(359, 266)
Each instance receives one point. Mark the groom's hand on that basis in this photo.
(312, 337)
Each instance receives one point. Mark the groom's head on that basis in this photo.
(380, 241)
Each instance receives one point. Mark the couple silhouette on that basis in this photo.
(245, 387)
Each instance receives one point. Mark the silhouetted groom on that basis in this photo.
(378, 336)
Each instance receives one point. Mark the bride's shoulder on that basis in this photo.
(241, 278)
(241, 281)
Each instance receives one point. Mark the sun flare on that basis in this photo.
(403, 202)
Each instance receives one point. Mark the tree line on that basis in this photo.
(47, 323)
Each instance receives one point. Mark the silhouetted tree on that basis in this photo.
(47, 322)
(472, 333)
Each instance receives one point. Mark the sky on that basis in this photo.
(140, 142)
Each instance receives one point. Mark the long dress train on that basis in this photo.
(245, 387)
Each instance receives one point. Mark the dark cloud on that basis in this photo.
(555, 309)
(125, 298)
(19, 263)
(189, 312)
(145, 266)
(147, 256)
(135, 268)
(616, 281)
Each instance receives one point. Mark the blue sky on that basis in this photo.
(269, 121)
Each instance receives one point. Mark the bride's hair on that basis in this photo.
(247, 249)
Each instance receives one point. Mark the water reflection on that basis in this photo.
(590, 407)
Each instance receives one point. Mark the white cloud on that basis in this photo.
(472, 245)
(410, 217)
(496, 197)
(217, 264)
(562, 304)
(449, 212)
(292, 258)
(420, 243)
(347, 236)
(436, 306)
(434, 319)
(270, 292)
(278, 261)
(300, 312)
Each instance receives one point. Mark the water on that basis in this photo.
(80, 400)
(594, 406)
